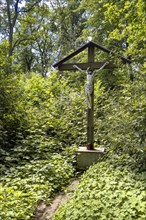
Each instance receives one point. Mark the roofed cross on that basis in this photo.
(89, 66)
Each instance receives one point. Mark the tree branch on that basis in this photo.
(31, 7)
(16, 13)
(17, 42)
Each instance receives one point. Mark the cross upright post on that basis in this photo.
(90, 111)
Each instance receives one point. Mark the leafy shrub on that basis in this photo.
(53, 109)
(120, 116)
(108, 190)
(43, 115)
(47, 118)
(12, 118)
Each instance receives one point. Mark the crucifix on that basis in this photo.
(89, 92)
(89, 67)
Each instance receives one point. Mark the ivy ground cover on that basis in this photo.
(112, 190)
(23, 186)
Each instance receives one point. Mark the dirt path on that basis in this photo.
(46, 212)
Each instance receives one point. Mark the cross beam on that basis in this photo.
(84, 66)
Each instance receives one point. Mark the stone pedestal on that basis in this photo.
(86, 158)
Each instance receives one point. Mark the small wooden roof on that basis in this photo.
(87, 45)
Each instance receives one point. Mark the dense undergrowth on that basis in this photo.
(37, 142)
(42, 119)
(24, 185)
(114, 189)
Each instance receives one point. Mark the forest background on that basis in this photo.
(43, 111)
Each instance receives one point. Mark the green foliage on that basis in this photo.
(120, 115)
(11, 112)
(5, 61)
(35, 30)
(55, 110)
(42, 119)
(40, 115)
(37, 121)
(115, 22)
(39, 163)
(24, 185)
(48, 117)
(69, 24)
(113, 189)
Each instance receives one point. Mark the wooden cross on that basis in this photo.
(62, 66)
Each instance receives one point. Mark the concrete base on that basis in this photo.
(86, 158)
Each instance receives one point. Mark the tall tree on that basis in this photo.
(12, 10)
(38, 51)
(39, 34)
(69, 24)
(117, 23)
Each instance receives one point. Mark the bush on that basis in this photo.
(120, 116)
(43, 115)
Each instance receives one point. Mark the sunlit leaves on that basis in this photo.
(108, 190)
(113, 22)
(24, 185)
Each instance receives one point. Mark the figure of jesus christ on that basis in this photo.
(90, 83)
(89, 87)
